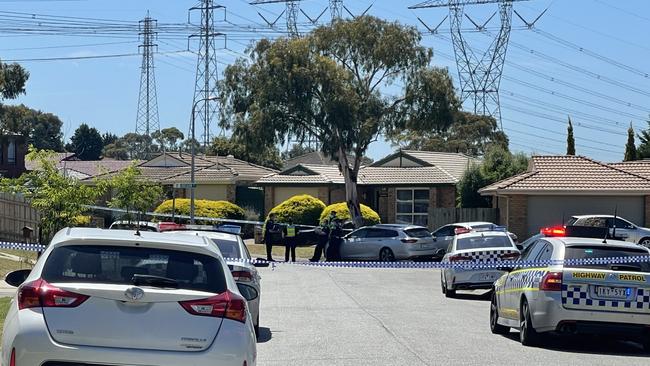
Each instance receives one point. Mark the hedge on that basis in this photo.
(370, 217)
(302, 210)
(204, 208)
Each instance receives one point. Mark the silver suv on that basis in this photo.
(618, 227)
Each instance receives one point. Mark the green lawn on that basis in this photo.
(4, 307)
(7, 265)
(259, 251)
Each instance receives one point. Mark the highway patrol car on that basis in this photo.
(596, 298)
(476, 247)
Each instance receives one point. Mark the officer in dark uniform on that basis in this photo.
(271, 230)
(323, 236)
(335, 241)
(290, 237)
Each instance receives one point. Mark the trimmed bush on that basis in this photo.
(302, 210)
(370, 217)
(204, 208)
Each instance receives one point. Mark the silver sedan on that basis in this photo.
(387, 243)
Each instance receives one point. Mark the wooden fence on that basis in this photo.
(443, 216)
(15, 214)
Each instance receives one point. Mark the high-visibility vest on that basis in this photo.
(291, 231)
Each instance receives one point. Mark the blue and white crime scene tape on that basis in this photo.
(472, 265)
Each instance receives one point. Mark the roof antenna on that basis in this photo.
(614, 222)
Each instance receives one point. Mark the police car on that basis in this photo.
(476, 246)
(595, 298)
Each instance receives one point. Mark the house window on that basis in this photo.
(412, 206)
(11, 152)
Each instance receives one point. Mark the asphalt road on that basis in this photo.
(327, 316)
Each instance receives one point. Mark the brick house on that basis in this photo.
(402, 187)
(13, 149)
(557, 187)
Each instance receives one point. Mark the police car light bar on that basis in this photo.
(462, 230)
(553, 231)
(465, 230)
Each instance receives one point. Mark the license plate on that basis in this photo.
(607, 292)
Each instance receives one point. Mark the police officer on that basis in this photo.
(324, 235)
(271, 230)
(290, 236)
(335, 240)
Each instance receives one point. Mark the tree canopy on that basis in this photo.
(131, 192)
(643, 152)
(332, 85)
(42, 130)
(168, 138)
(468, 134)
(13, 78)
(630, 146)
(86, 143)
(268, 157)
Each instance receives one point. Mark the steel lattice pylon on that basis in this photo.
(147, 121)
(480, 78)
(336, 9)
(206, 70)
(291, 14)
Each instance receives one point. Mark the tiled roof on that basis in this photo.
(641, 167)
(566, 174)
(56, 159)
(312, 158)
(329, 174)
(454, 163)
(92, 168)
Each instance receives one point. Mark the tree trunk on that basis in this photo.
(351, 194)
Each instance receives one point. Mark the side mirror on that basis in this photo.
(260, 263)
(249, 293)
(520, 247)
(441, 252)
(16, 278)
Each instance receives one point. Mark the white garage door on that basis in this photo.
(546, 211)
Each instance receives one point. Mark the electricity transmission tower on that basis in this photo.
(290, 13)
(479, 75)
(336, 9)
(147, 120)
(206, 70)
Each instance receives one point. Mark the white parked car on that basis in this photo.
(608, 299)
(618, 227)
(475, 247)
(241, 265)
(111, 297)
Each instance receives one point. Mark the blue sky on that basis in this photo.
(586, 59)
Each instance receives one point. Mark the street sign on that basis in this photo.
(184, 185)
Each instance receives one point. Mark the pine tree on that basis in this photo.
(630, 147)
(643, 152)
(570, 140)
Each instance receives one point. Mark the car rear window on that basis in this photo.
(229, 249)
(418, 233)
(484, 241)
(587, 252)
(118, 265)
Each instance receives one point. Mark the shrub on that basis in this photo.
(370, 217)
(302, 210)
(204, 208)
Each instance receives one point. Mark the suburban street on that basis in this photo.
(327, 316)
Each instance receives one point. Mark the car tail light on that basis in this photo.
(553, 231)
(226, 305)
(459, 258)
(12, 360)
(242, 276)
(462, 230)
(39, 293)
(409, 241)
(552, 281)
(510, 256)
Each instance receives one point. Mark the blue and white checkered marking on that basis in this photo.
(577, 296)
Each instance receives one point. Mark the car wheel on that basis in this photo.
(442, 283)
(645, 242)
(449, 292)
(495, 327)
(386, 255)
(527, 334)
(257, 327)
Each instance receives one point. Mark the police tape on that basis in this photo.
(467, 265)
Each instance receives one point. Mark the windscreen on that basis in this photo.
(119, 265)
(587, 252)
(229, 249)
(480, 242)
(418, 233)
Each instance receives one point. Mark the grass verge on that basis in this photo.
(4, 307)
(259, 251)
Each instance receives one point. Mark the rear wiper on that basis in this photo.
(155, 281)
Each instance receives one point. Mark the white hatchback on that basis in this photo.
(100, 297)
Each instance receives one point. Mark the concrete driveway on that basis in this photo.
(319, 316)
